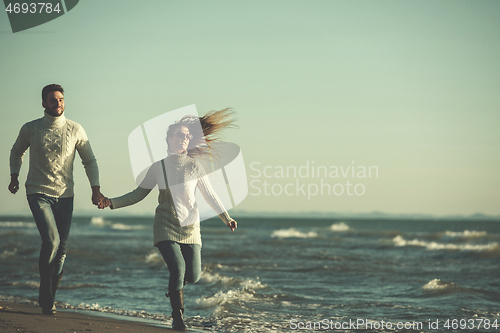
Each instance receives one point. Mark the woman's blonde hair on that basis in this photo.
(208, 133)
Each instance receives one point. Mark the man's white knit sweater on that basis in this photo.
(177, 217)
(53, 142)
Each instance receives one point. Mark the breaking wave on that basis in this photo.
(240, 292)
(438, 285)
(18, 224)
(8, 254)
(400, 241)
(339, 227)
(465, 234)
(121, 226)
(293, 233)
(100, 222)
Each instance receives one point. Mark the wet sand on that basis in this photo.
(23, 318)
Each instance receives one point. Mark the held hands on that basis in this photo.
(99, 199)
(105, 202)
(97, 196)
(232, 225)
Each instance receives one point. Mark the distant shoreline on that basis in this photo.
(301, 215)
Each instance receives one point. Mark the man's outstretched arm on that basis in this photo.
(90, 164)
(97, 196)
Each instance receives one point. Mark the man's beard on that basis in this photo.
(54, 113)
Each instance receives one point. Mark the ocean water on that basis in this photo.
(277, 274)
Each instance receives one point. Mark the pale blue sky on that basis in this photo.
(411, 87)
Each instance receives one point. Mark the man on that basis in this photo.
(53, 141)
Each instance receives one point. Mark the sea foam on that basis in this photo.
(98, 221)
(8, 254)
(466, 234)
(153, 257)
(121, 226)
(240, 291)
(437, 284)
(339, 227)
(293, 233)
(28, 284)
(400, 241)
(18, 224)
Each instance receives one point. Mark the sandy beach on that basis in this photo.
(29, 318)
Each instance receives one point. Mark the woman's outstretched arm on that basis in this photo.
(213, 200)
(130, 198)
(147, 184)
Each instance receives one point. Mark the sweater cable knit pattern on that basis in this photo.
(53, 142)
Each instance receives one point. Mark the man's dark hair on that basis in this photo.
(50, 88)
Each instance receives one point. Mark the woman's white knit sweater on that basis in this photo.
(177, 217)
(53, 142)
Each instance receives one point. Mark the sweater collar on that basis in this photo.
(177, 158)
(51, 121)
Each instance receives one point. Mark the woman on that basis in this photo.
(177, 222)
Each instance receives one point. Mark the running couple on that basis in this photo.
(53, 141)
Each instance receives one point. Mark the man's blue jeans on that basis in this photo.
(53, 220)
(183, 261)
